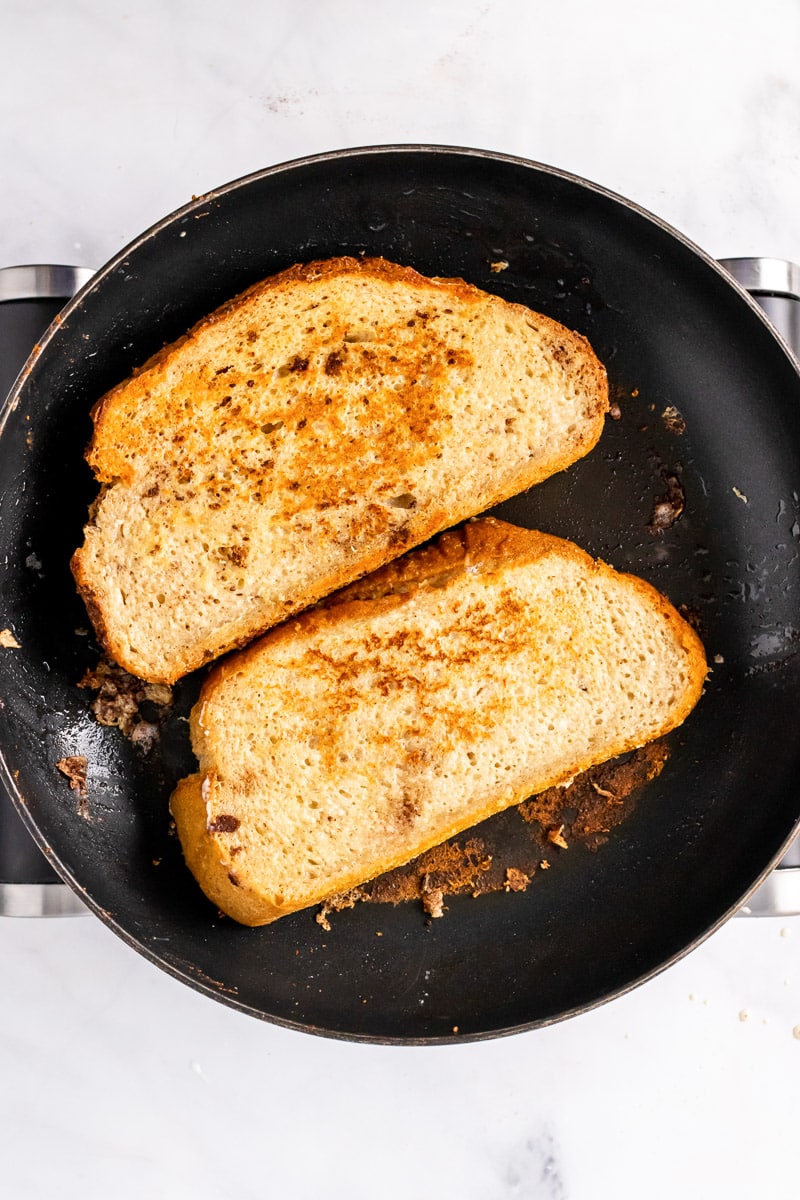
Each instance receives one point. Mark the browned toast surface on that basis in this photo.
(461, 679)
(306, 432)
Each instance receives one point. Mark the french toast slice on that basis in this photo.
(458, 680)
(306, 432)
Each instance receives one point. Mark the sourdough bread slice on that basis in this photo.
(308, 431)
(458, 680)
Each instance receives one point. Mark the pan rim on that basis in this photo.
(376, 150)
(225, 997)
(188, 210)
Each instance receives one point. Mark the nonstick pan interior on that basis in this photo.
(676, 337)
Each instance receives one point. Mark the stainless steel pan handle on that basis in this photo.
(775, 284)
(30, 296)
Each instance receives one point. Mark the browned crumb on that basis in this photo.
(668, 508)
(433, 902)
(480, 862)
(500, 265)
(556, 836)
(603, 791)
(614, 411)
(76, 767)
(117, 700)
(673, 420)
(337, 904)
(8, 641)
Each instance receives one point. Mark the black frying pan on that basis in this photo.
(674, 331)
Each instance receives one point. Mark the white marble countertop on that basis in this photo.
(119, 1081)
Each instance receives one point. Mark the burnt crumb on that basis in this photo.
(334, 362)
(222, 370)
(234, 879)
(151, 491)
(118, 698)
(668, 508)
(224, 823)
(298, 364)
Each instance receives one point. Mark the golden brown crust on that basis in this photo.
(377, 268)
(482, 546)
(209, 859)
